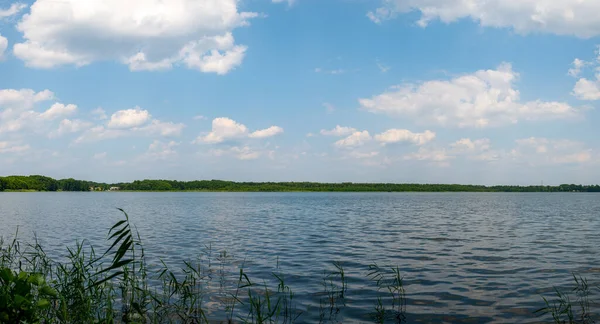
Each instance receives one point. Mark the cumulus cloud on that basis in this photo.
(143, 34)
(3, 46)
(338, 131)
(484, 98)
(587, 89)
(70, 126)
(14, 9)
(561, 17)
(354, 140)
(578, 65)
(129, 118)
(238, 152)
(289, 2)
(157, 127)
(540, 151)
(18, 110)
(404, 135)
(99, 133)
(159, 150)
(8, 147)
(336, 71)
(429, 154)
(13, 100)
(268, 132)
(224, 129)
(363, 155)
(99, 113)
(382, 67)
(58, 110)
(478, 149)
(468, 145)
(154, 128)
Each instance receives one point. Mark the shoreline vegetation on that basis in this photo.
(43, 183)
(122, 286)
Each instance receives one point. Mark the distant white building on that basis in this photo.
(114, 189)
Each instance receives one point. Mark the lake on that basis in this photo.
(465, 257)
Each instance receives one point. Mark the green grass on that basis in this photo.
(118, 285)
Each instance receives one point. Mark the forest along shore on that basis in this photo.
(43, 183)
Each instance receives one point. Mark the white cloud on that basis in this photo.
(338, 131)
(404, 135)
(224, 129)
(335, 71)
(578, 65)
(354, 140)
(143, 34)
(199, 117)
(129, 118)
(484, 98)
(289, 2)
(14, 9)
(159, 150)
(382, 67)
(154, 128)
(70, 126)
(100, 133)
(561, 17)
(7, 147)
(488, 156)
(268, 132)
(19, 100)
(58, 110)
(429, 154)
(3, 46)
(17, 110)
(363, 155)
(587, 89)
(478, 150)
(240, 153)
(15, 124)
(157, 127)
(468, 145)
(99, 113)
(540, 151)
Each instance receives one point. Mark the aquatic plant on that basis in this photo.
(389, 280)
(564, 309)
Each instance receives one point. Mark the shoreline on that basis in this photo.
(303, 191)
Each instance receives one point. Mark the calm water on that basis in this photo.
(466, 257)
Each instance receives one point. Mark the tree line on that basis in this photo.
(42, 183)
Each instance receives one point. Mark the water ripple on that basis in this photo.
(465, 257)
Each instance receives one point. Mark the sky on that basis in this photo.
(428, 91)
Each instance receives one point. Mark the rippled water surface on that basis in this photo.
(465, 257)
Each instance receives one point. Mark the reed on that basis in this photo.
(566, 309)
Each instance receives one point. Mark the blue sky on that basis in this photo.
(432, 91)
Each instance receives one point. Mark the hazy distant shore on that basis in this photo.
(43, 183)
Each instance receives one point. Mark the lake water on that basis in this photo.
(465, 257)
